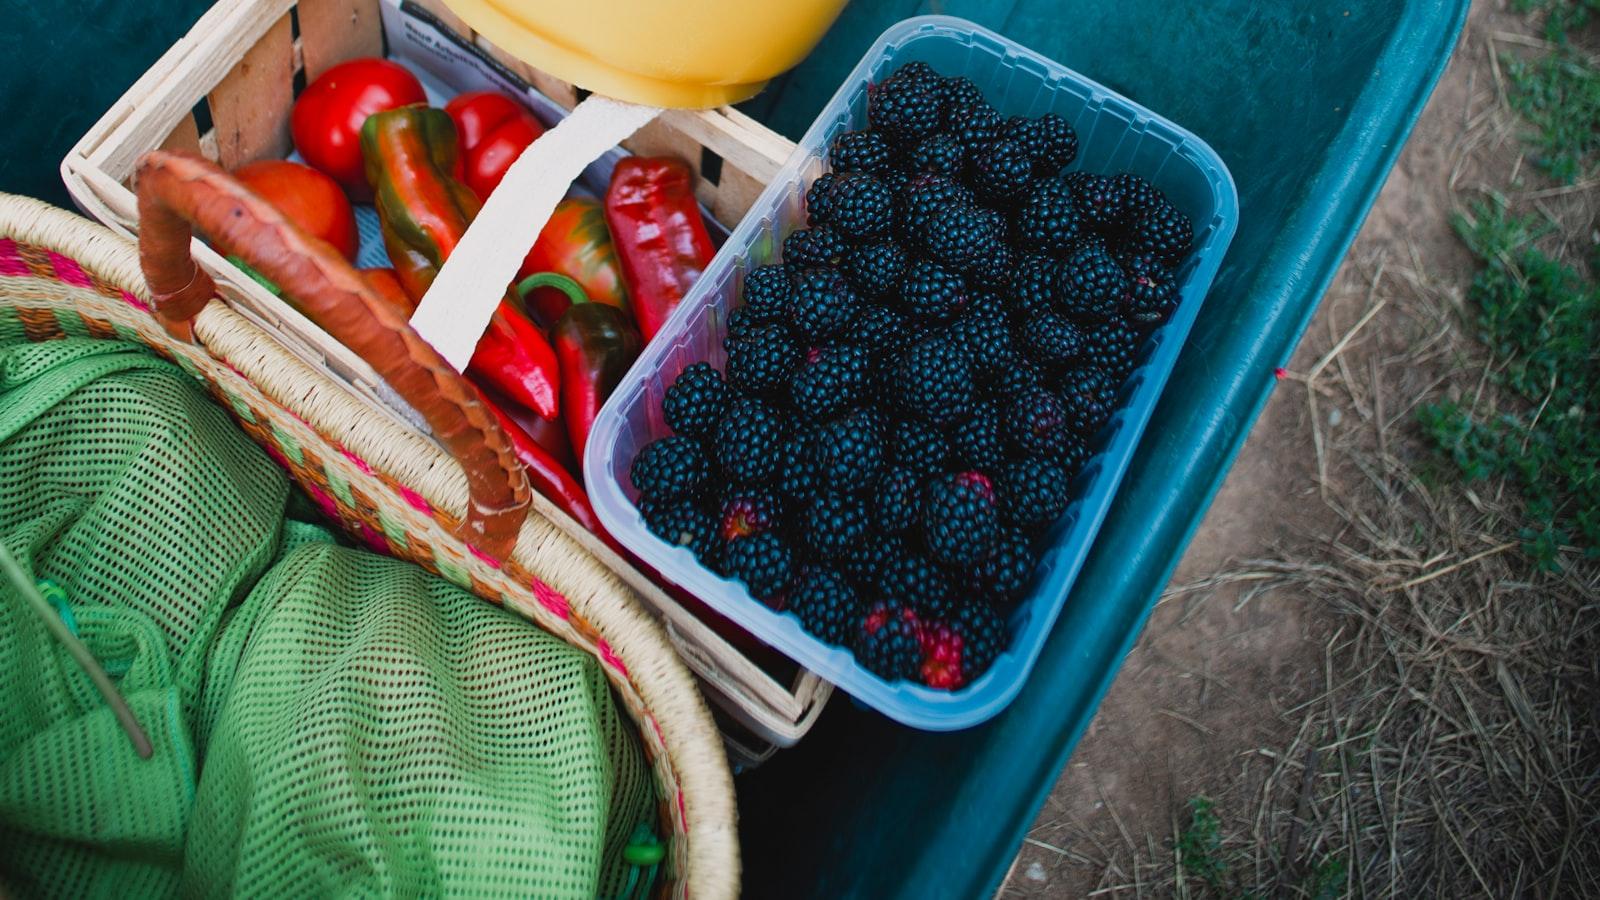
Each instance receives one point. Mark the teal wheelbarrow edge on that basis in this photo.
(1152, 521)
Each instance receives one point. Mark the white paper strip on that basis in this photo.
(454, 313)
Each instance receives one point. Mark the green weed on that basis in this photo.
(1559, 95)
(1540, 320)
(1200, 844)
(1562, 16)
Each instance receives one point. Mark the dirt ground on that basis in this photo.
(1216, 668)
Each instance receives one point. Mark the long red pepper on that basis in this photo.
(550, 478)
(410, 153)
(660, 238)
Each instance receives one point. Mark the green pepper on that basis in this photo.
(410, 154)
(595, 345)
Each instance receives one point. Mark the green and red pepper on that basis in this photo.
(576, 244)
(410, 153)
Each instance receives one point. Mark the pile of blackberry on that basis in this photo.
(909, 394)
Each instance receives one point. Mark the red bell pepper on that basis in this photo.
(595, 345)
(424, 212)
(494, 130)
(660, 237)
(576, 244)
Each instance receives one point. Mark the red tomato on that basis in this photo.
(307, 198)
(576, 244)
(326, 120)
(494, 130)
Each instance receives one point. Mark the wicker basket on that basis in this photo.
(61, 275)
(225, 91)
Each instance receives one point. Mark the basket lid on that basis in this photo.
(674, 53)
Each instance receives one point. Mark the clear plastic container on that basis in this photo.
(1116, 135)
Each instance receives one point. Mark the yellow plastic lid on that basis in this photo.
(677, 53)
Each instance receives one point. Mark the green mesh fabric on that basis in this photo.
(325, 720)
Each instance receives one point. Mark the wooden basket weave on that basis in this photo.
(225, 91)
(61, 275)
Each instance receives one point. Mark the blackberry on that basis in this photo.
(749, 440)
(956, 237)
(959, 647)
(905, 107)
(874, 269)
(829, 380)
(1000, 171)
(861, 151)
(740, 321)
(1110, 347)
(798, 477)
(981, 125)
(748, 512)
(819, 196)
(1151, 294)
(959, 519)
(682, 523)
(863, 563)
(961, 99)
(761, 358)
(1092, 284)
(934, 381)
(1051, 340)
(994, 269)
(878, 330)
(823, 304)
(897, 501)
(1005, 575)
(807, 248)
(940, 154)
(832, 524)
(1036, 423)
(914, 579)
(887, 641)
(695, 401)
(1072, 456)
(979, 442)
(1046, 219)
(1080, 393)
(857, 205)
(849, 452)
(1138, 195)
(1032, 493)
(983, 333)
(918, 446)
(762, 561)
(1161, 231)
(931, 293)
(768, 291)
(670, 468)
(1050, 141)
(1036, 285)
(1102, 201)
(926, 195)
(827, 607)
(921, 73)
(1008, 383)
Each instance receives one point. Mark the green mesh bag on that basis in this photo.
(322, 720)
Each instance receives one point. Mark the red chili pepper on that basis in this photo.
(550, 478)
(660, 238)
(595, 345)
(423, 211)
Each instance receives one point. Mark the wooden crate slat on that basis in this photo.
(332, 31)
(250, 106)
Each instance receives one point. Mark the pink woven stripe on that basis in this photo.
(610, 658)
(374, 539)
(10, 259)
(360, 463)
(549, 599)
(131, 300)
(324, 501)
(484, 556)
(415, 499)
(683, 813)
(68, 270)
(278, 457)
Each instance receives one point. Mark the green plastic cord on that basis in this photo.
(643, 853)
(66, 635)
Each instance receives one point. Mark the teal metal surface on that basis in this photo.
(1307, 102)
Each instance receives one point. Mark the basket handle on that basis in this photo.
(178, 191)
